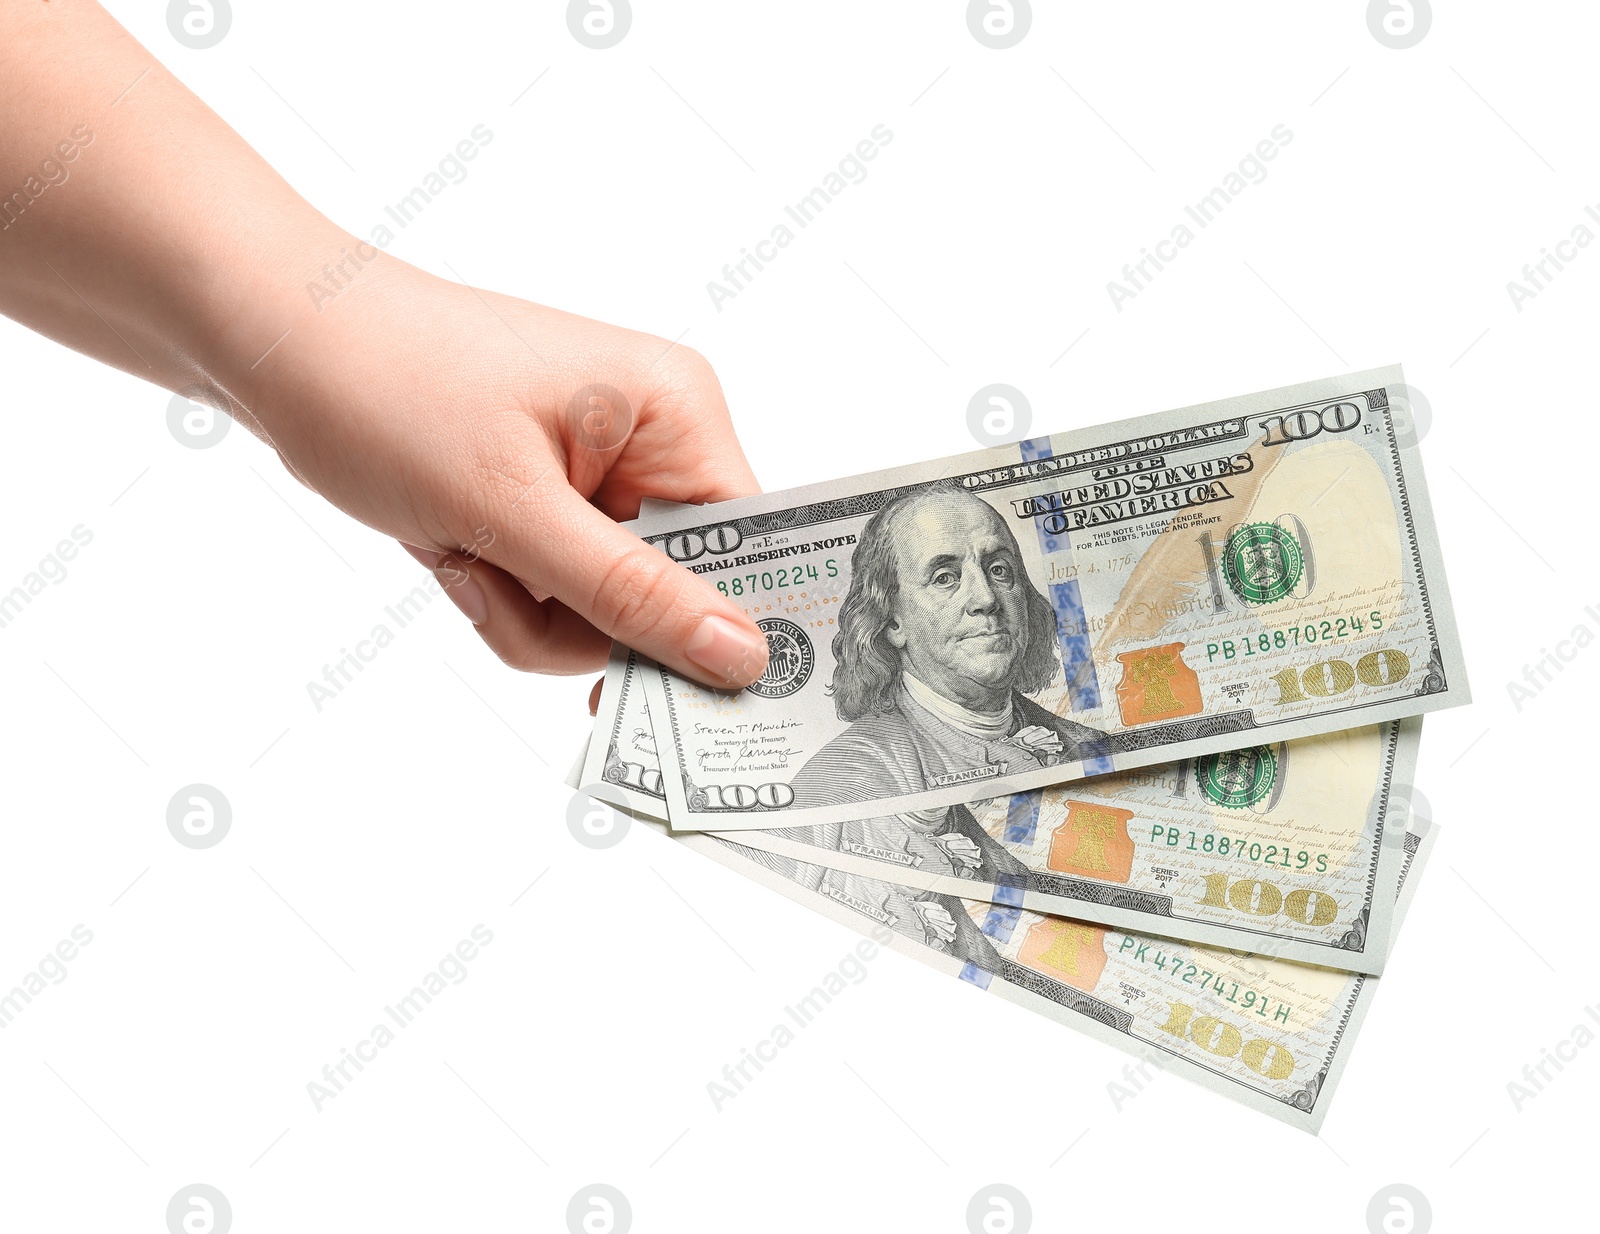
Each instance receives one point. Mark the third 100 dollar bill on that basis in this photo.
(1273, 1035)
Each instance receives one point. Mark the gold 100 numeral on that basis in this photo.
(1384, 667)
(1266, 1058)
(1253, 895)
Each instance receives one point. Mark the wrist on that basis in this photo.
(272, 332)
(261, 306)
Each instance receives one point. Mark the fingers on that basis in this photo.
(697, 396)
(594, 697)
(466, 592)
(680, 447)
(561, 576)
(536, 637)
(634, 593)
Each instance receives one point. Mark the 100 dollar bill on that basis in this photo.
(1281, 849)
(1284, 849)
(1233, 574)
(1272, 1035)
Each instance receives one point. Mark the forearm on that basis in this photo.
(135, 225)
(139, 228)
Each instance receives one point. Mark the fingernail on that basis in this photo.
(465, 592)
(426, 556)
(730, 652)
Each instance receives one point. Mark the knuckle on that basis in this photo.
(635, 593)
(688, 369)
(695, 361)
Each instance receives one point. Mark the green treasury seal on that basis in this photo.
(1237, 778)
(1263, 562)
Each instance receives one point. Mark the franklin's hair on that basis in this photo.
(868, 671)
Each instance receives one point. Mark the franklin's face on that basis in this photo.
(960, 619)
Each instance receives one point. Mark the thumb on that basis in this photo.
(641, 597)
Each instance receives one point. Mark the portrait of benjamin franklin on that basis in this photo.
(942, 637)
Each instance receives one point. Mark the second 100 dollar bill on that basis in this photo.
(1284, 850)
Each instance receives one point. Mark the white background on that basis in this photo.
(369, 837)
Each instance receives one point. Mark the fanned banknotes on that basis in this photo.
(1268, 1033)
(1285, 850)
(1272, 1035)
(1227, 576)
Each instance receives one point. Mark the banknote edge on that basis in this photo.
(1321, 1089)
(665, 521)
(1413, 867)
(1400, 763)
(1364, 956)
(684, 819)
(1414, 864)
(608, 715)
(1422, 532)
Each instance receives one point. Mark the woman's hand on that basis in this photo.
(499, 440)
(496, 438)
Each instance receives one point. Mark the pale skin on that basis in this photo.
(435, 413)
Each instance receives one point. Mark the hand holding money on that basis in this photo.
(1118, 724)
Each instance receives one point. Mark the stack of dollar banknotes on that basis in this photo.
(1120, 724)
